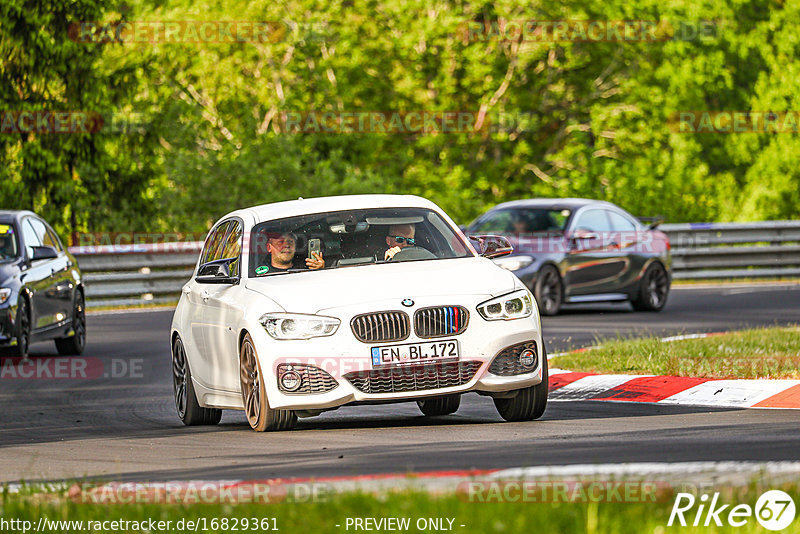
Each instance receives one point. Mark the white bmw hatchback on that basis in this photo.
(300, 307)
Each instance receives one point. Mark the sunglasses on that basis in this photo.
(400, 240)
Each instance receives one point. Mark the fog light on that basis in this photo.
(291, 380)
(527, 358)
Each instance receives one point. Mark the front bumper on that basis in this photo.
(7, 326)
(341, 355)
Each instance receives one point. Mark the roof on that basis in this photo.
(8, 215)
(293, 208)
(557, 203)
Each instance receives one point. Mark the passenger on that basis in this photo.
(400, 236)
(281, 250)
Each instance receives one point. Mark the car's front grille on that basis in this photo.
(414, 377)
(313, 379)
(507, 362)
(380, 326)
(440, 321)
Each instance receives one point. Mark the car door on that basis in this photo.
(38, 278)
(222, 311)
(593, 261)
(627, 236)
(62, 288)
(194, 338)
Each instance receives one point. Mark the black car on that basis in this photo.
(41, 287)
(574, 250)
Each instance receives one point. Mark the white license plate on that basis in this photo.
(411, 353)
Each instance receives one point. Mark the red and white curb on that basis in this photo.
(685, 391)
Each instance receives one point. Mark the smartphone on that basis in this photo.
(314, 246)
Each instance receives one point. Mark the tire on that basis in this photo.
(74, 344)
(548, 291)
(529, 403)
(22, 327)
(440, 405)
(653, 290)
(260, 416)
(189, 410)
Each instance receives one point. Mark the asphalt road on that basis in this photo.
(120, 423)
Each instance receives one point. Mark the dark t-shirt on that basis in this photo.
(267, 267)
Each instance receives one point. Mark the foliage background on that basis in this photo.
(206, 138)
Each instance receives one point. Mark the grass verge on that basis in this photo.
(586, 516)
(756, 353)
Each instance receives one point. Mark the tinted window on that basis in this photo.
(213, 247)
(593, 221)
(515, 221)
(52, 237)
(8, 242)
(233, 246)
(30, 237)
(620, 223)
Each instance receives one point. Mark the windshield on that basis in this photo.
(353, 237)
(522, 221)
(8, 242)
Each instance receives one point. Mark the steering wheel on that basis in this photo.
(413, 253)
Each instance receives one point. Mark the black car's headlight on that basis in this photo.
(298, 325)
(515, 305)
(5, 294)
(513, 263)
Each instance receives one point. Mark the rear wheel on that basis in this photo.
(22, 327)
(440, 405)
(653, 291)
(548, 291)
(75, 343)
(189, 410)
(254, 395)
(529, 403)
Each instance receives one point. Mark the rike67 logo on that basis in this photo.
(774, 510)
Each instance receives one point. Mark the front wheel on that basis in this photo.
(74, 344)
(440, 405)
(254, 395)
(529, 403)
(22, 330)
(653, 291)
(548, 291)
(189, 410)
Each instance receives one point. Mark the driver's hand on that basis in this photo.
(391, 252)
(315, 262)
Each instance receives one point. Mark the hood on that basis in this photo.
(310, 292)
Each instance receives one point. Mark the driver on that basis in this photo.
(281, 250)
(6, 246)
(400, 236)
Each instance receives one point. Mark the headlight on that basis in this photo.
(5, 293)
(513, 263)
(298, 325)
(515, 305)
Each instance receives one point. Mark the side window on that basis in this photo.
(593, 221)
(233, 246)
(620, 223)
(212, 248)
(52, 237)
(30, 237)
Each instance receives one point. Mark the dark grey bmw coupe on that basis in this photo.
(41, 287)
(575, 250)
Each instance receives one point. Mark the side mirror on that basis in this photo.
(44, 253)
(216, 272)
(492, 246)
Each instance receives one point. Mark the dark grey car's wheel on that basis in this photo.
(548, 291)
(529, 403)
(189, 410)
(22, 332)
(653, 291)
(254, 395)
(75, 343)
(440, 405)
